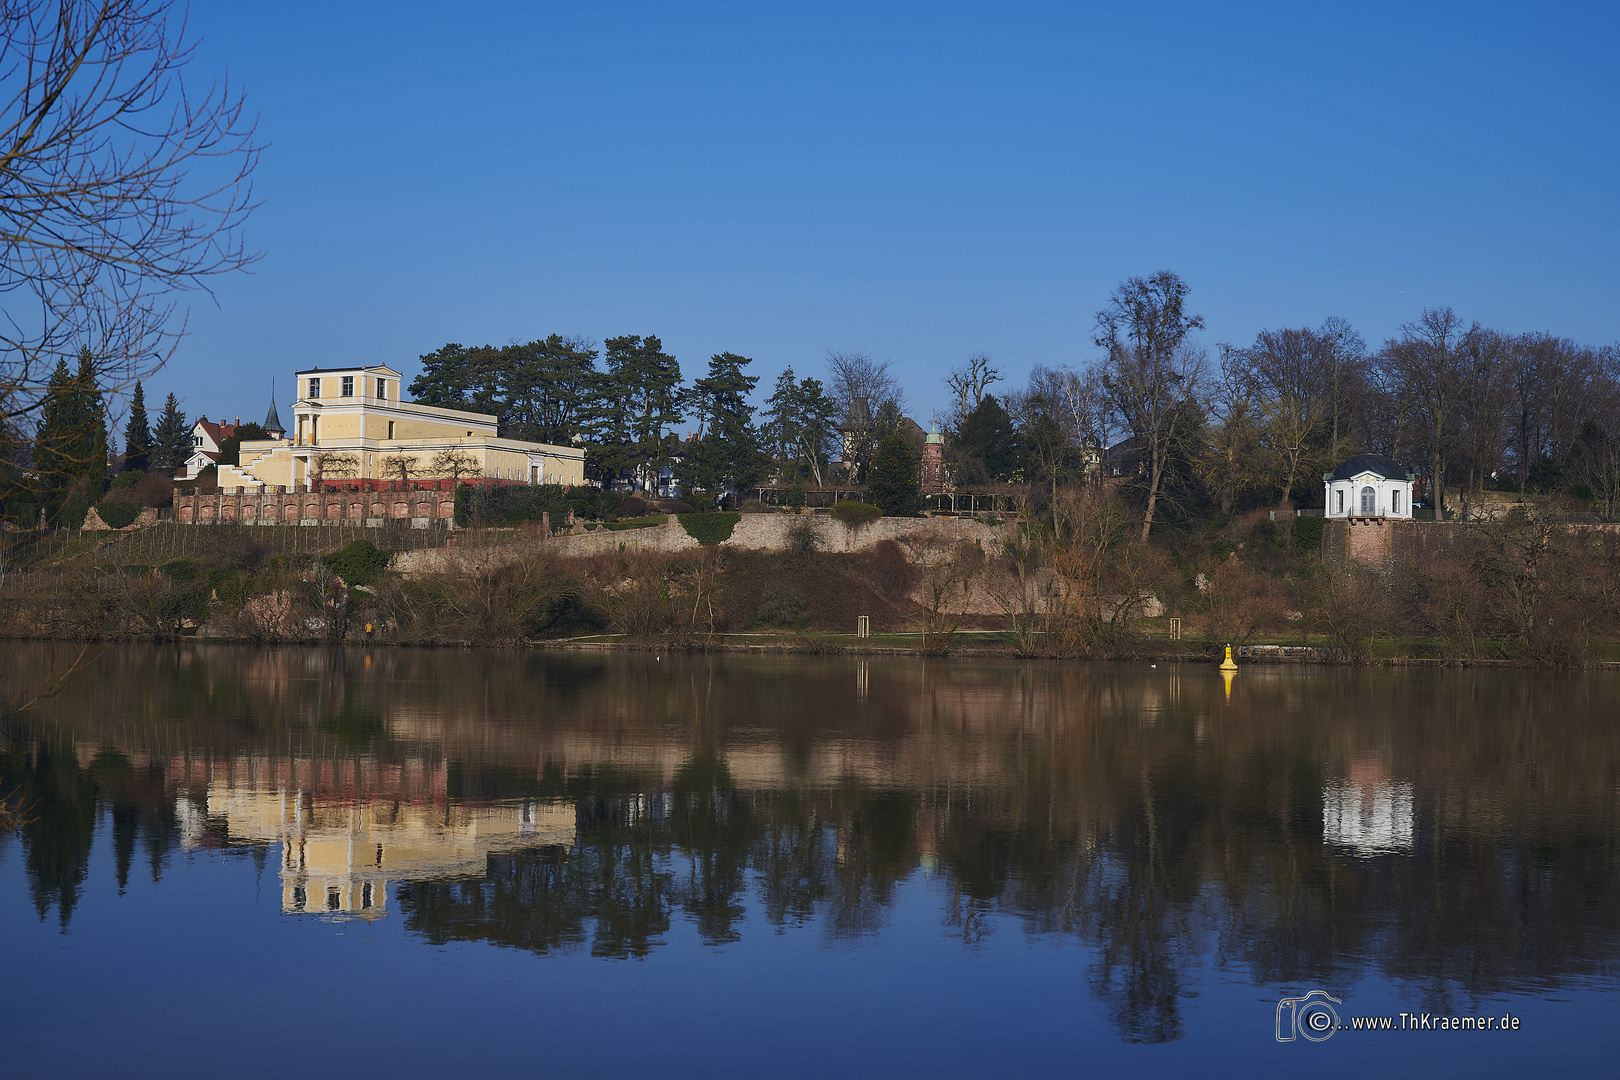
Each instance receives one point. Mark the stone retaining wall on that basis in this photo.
(755, 532)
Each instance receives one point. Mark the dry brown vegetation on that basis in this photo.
(1087, 587)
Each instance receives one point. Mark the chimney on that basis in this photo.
(236, 422)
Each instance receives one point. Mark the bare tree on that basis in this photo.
(1229, 465)
(1349, 358)
(1151, 371)
(333, 466)
(1486, 401)
(1425, 367)
(968, 384)
(120, 187)
(867, 395)
(400, 467)
(1293, 373)
(455, 464)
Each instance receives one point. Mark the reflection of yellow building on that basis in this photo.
(339, 854)
(352, 424)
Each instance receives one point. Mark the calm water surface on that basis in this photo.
(415, 863)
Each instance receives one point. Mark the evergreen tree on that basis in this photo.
(71, 442)
(727, 453)
(800, 424)
(637, 399)
(546, 387)
(53, 441)
(91, 450)
(171, 439)
(894, 481)
(137, 434)
(987, 442)
(230, 451)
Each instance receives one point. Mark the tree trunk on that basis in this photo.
(1439, 482)
(1155, 472)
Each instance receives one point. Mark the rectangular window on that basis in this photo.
(196, 440)
(348, 386)
(382, 390)
(390, 429)
(314, 430)
(1394, 502)
(1338, 502)
(314, 388)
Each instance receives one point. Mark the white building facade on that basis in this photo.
(1368, 485)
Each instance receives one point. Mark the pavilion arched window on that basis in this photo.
(1369, 501)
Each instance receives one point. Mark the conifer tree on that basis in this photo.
(895, 480)
(727, 453)
(53, 438)
(171, 439)
(137, 434)
(90, 449)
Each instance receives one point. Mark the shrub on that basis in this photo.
(74, 508)
(1308, 533)
(710, 528)
(463, 504)
(855, 515)
(361, 563)
(639, 523)
(796, 496)
(801, 536)
(126, 479)
(118, 515)
(783, 606)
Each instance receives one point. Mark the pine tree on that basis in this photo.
(90, 451)
(171, 439)
(137, 434)
(53, 438)
(895, 480)
(727, 454)
(637, 399)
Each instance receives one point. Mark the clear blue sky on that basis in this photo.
(919, 181)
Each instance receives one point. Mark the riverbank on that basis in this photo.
(925, 587)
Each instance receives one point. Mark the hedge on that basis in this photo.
(711, 527)
(639, 523)
(855, 514)
(361, 563)
(117, 515)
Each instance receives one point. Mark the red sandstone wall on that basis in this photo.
(271, 505)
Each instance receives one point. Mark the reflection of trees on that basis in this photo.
(60, 828)
(1147, 816)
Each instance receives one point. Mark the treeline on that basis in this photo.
(626, 402)
(1200, 435)
(73, 461)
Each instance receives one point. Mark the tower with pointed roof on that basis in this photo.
(272, 421)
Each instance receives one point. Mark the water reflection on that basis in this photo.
(1451, 830)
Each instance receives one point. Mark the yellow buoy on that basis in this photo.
(1229, 664)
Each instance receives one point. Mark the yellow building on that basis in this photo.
(353, 424)
(340, 853)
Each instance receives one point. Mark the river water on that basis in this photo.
(415, 863)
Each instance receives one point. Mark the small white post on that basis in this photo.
(863, 626)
